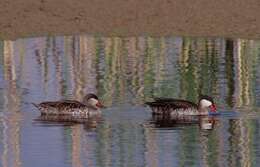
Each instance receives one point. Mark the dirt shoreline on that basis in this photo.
(221, 18)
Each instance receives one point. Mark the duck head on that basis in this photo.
(92, 100)
(206, 103)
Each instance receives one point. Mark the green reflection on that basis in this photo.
(130, 71)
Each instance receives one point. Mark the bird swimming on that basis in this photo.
(89, 106)
(173, 107)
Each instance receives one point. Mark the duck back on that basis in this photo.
(66, 107)
(173, 107)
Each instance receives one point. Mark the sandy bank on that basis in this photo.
(232, 18)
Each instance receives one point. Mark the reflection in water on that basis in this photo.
(89, 123)
(127, 72)
(76, 146)
(187, 140)
(11, 101)
(204, 122)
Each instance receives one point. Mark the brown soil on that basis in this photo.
(222, 18)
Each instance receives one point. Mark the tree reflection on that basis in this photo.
(132, 70)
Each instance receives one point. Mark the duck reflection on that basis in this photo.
(67, 120)
(75, 126)
(204, 122)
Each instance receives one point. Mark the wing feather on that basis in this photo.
(171, 102)
(62, 104)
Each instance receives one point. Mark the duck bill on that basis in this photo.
(100, 105)
(213, 108)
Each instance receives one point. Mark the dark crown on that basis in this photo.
(206, 97)
(90, 95)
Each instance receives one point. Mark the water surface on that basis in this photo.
(126, 72)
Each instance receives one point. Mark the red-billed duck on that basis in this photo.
(173, 107)
(88, 107)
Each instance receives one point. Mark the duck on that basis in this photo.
(89, 106)
(178, 107)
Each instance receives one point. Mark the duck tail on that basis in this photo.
(148, 103)
(35, 105)
(152, 104)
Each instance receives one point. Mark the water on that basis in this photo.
(126, 72)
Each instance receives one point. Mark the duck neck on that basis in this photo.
(202, 109)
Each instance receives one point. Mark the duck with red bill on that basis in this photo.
(172, 107)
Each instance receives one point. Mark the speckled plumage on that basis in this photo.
(175, 107)
(68, 107)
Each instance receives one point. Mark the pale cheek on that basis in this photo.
(93, 102)
(205, 103)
